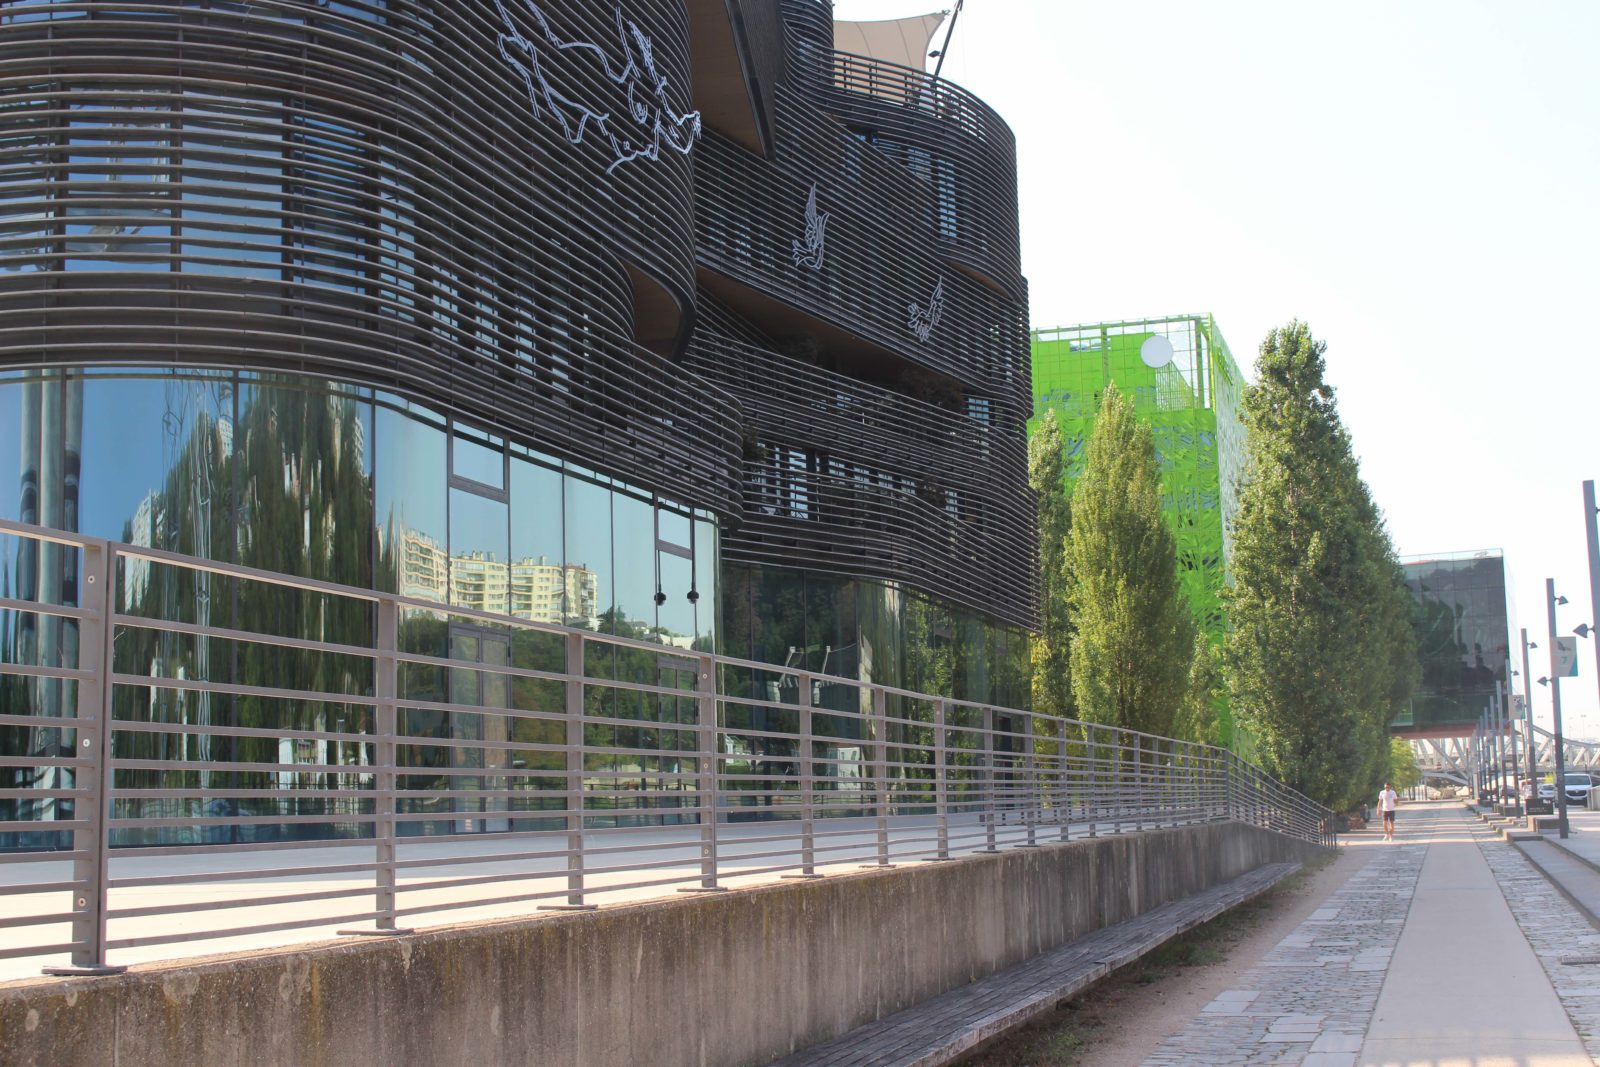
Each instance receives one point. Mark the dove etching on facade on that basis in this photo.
(810, 248)
(921, 322)
(651, 122)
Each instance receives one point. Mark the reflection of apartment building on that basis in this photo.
(424, 567)
(479, 581)
(141, 532)
(537, 589)
(540, 588)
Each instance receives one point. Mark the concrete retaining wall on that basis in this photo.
(722, 979)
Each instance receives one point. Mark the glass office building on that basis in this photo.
(1462, 618)
(659, 319)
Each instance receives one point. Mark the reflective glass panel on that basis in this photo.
(480, 550)
(538, 564)
(588, 530)
(409, 490)
(634, 549)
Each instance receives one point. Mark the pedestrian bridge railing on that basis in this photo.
(340, 758)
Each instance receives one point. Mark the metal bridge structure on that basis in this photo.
(1451, 758)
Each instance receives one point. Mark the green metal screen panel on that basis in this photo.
(1192, 406)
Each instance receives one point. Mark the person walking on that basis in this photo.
(1388, 800)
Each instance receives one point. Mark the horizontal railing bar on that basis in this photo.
(22, 951)
(24, 670)
(187, 907)
(16, 889)
(194, 685)
(258, 928)
(34, 607)
(42, 855)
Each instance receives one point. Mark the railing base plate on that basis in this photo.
(569, 907)
(72, 971)
(398, 931)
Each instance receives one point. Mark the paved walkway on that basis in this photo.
(1446, 948)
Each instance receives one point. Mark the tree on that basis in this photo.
(1051, 650)
(1134, 633)
(1198, 716)
(1319, 655)
(1403, 772)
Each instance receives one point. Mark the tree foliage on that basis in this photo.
(1320, 653)
(1051, 650)
(1403, 772)
(1199, 716)
(1134, 633)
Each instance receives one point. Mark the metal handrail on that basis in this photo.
(576, 790)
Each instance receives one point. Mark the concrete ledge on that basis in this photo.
(948, 1027)
(1573, 878)
(725, 979)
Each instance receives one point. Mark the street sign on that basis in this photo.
(1566, 657)
(1519, 708)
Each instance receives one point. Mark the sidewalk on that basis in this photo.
(1444, 948)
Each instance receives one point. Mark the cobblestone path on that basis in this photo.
(1310, 1000)
(1555, 929)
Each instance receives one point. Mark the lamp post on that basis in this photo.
(1499, 746)
(1593, 538)
(1527, 712)
(1550, 602)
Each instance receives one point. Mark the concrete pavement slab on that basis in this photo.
(1431, 1010)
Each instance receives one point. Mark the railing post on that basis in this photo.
(941, 783)
(706, 703)
(807, 770)
(91, 844)
(386, 688)
(573, 779)
(1034, 800)
(990, 811)
(1229, 802)
(1064, 783)
(386, 695)
(1091, 778)
(880, 774)
(1138, 782)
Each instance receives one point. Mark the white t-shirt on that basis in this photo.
(1387, 800)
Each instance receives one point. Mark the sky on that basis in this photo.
(1415, 179)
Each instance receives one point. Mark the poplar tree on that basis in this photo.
(1134, 631)
(1052, 672)
(1319, 654)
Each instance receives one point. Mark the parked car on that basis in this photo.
(1577, 788)
(1547, 790)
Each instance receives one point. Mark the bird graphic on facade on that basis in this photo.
(811, 247)
(921, 322)
(652, 123)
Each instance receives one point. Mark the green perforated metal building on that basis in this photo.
(1184, 382)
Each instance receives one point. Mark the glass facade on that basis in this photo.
(872, 631)
(344, 485)
(1462, 621)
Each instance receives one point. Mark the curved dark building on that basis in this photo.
(651, 316)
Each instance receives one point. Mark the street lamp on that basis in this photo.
(1527, 713)
(1593, 539)
(1551, 602)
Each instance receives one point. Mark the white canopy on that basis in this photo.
(904, 41)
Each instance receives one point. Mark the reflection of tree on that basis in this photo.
(286, 490)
